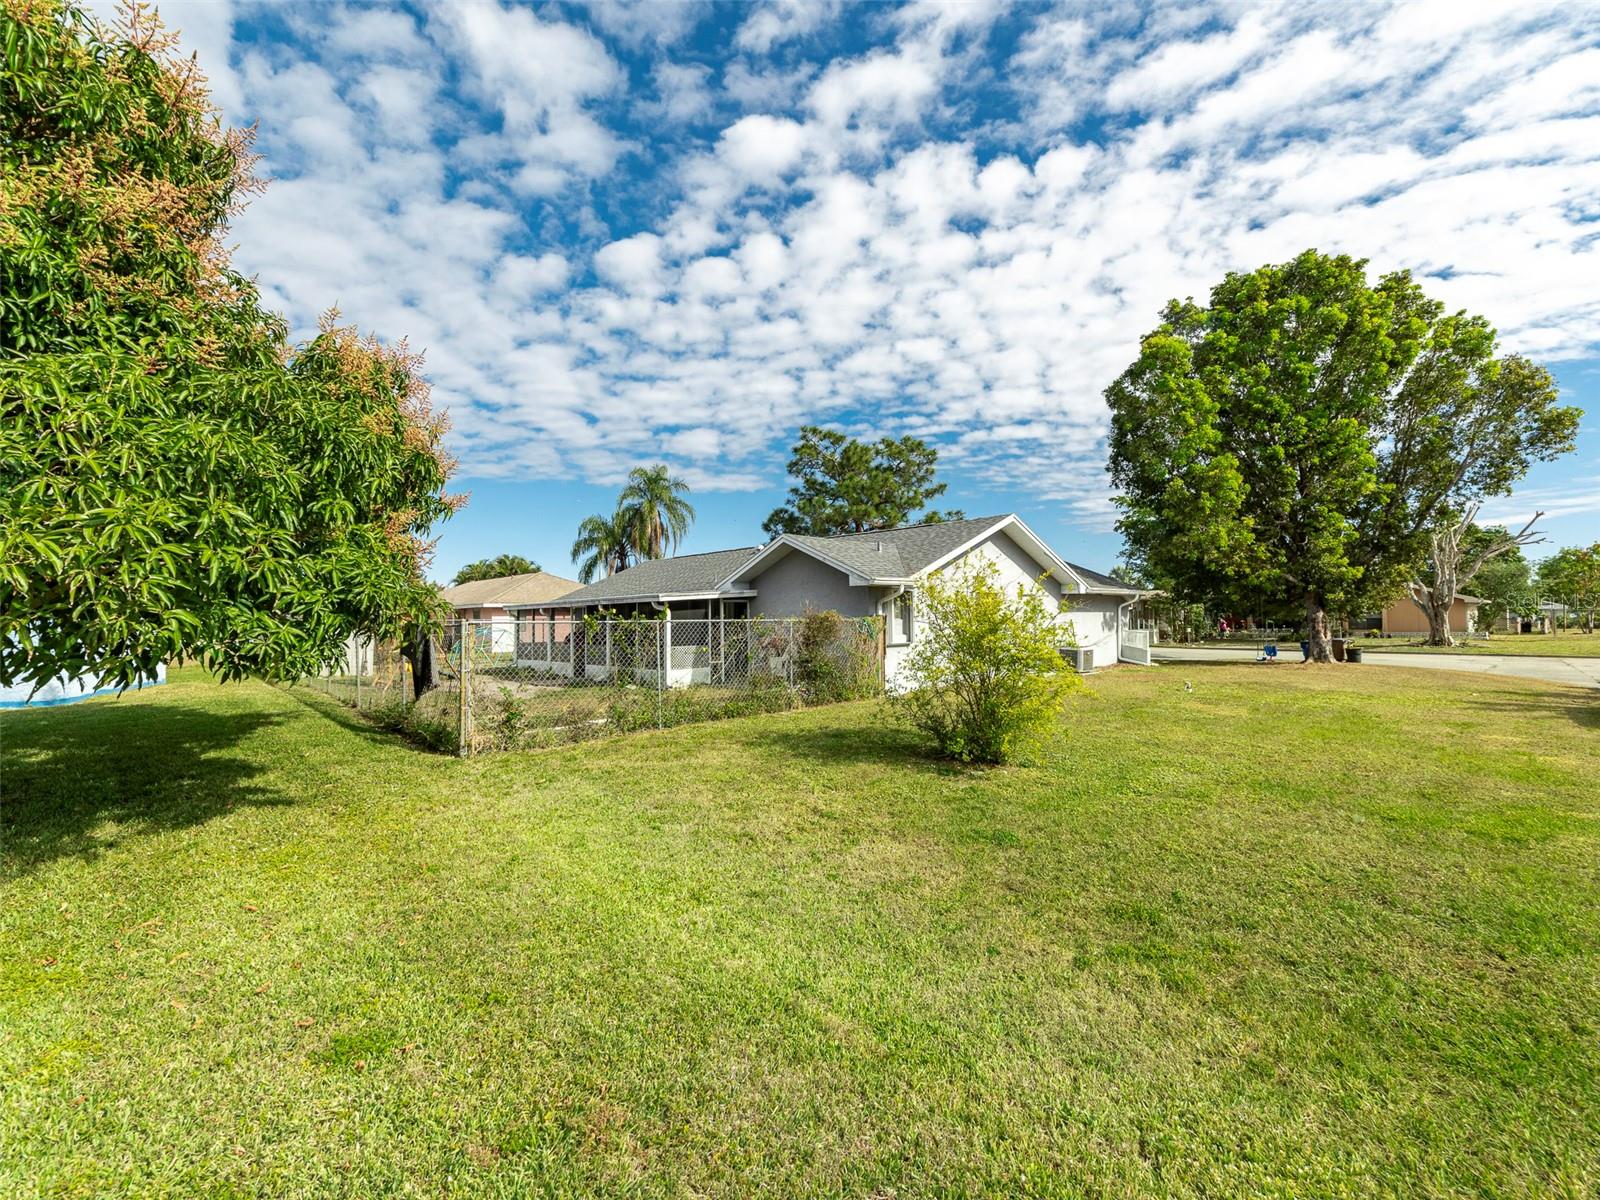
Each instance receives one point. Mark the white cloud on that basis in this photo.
(539, 74)
(761, 148)
(891, 87)
(685, 95)
(858, 243)
(776, 21)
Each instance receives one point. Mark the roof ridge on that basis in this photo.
(696, 554)
(828, 537)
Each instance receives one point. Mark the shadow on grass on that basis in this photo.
(875, 740)
(1581, 707)
(353, 721)
(139, 769)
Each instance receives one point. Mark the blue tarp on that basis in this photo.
(64, 689)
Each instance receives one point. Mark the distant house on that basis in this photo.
(1406, 616)
(857, 574)
(491, 600)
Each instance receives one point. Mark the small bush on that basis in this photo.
(988, 676)
(837, 658)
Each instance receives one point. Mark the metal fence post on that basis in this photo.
(464, 724)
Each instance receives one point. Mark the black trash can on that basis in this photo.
(1352, 654)
(1305, 650)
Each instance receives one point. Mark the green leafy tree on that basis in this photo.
(176, 478)
(1295, 439)
(988, 679)
(1572, 577)
(604, 545)
(658, 514)
(497, 567)
(847, 486)
(1505, 585)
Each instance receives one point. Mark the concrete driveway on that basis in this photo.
(1576, 672)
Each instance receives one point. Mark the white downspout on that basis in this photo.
(1120, 619)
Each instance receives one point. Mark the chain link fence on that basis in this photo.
(545, 680)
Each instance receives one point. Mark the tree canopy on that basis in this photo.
(847, 486)
(176, 477)
(497, 567)
(652, 516)
(1571, 576)
(604, 545)
(1294, 439)
(657, 512)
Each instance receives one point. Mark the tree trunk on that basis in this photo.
(418, 648)
(1317, 631)
(1439, 625)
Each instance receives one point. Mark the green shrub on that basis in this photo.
(987, 675)
(837, 658)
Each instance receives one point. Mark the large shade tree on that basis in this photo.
(1295, 439)
(176, 477)
(847, 486)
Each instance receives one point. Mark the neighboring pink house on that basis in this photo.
(486, 600)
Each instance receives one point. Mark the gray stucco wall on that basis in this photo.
(798, 581)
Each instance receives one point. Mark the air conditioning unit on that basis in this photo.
(1080, 658)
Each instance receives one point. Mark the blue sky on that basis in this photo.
(637, 232)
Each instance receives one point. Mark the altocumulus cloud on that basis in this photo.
(679, 231)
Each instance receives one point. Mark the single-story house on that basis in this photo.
(1550, 616)
(491, 600)
(1406, 616)
(855, 574)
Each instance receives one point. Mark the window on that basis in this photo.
(900, 619)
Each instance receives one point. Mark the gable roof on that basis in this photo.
(898, 553)
(882, 556)
(507, 589)
(891, 556)
(683, 576)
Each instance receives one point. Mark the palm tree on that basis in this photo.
(603, 543)
(659, 514)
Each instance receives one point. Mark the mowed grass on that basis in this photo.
(1303, 933)
(1575, 644)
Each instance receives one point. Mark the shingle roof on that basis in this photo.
(507, 589)
(685, 575)
(897, 553)
(881, 554)
(1099, 580)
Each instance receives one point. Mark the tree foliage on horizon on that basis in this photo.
(497, 567)
(1571, 577)
(848, 486)
(652, 516)
(1294, 440)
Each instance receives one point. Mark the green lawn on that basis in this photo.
(1301, 934)
(1559, 645)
